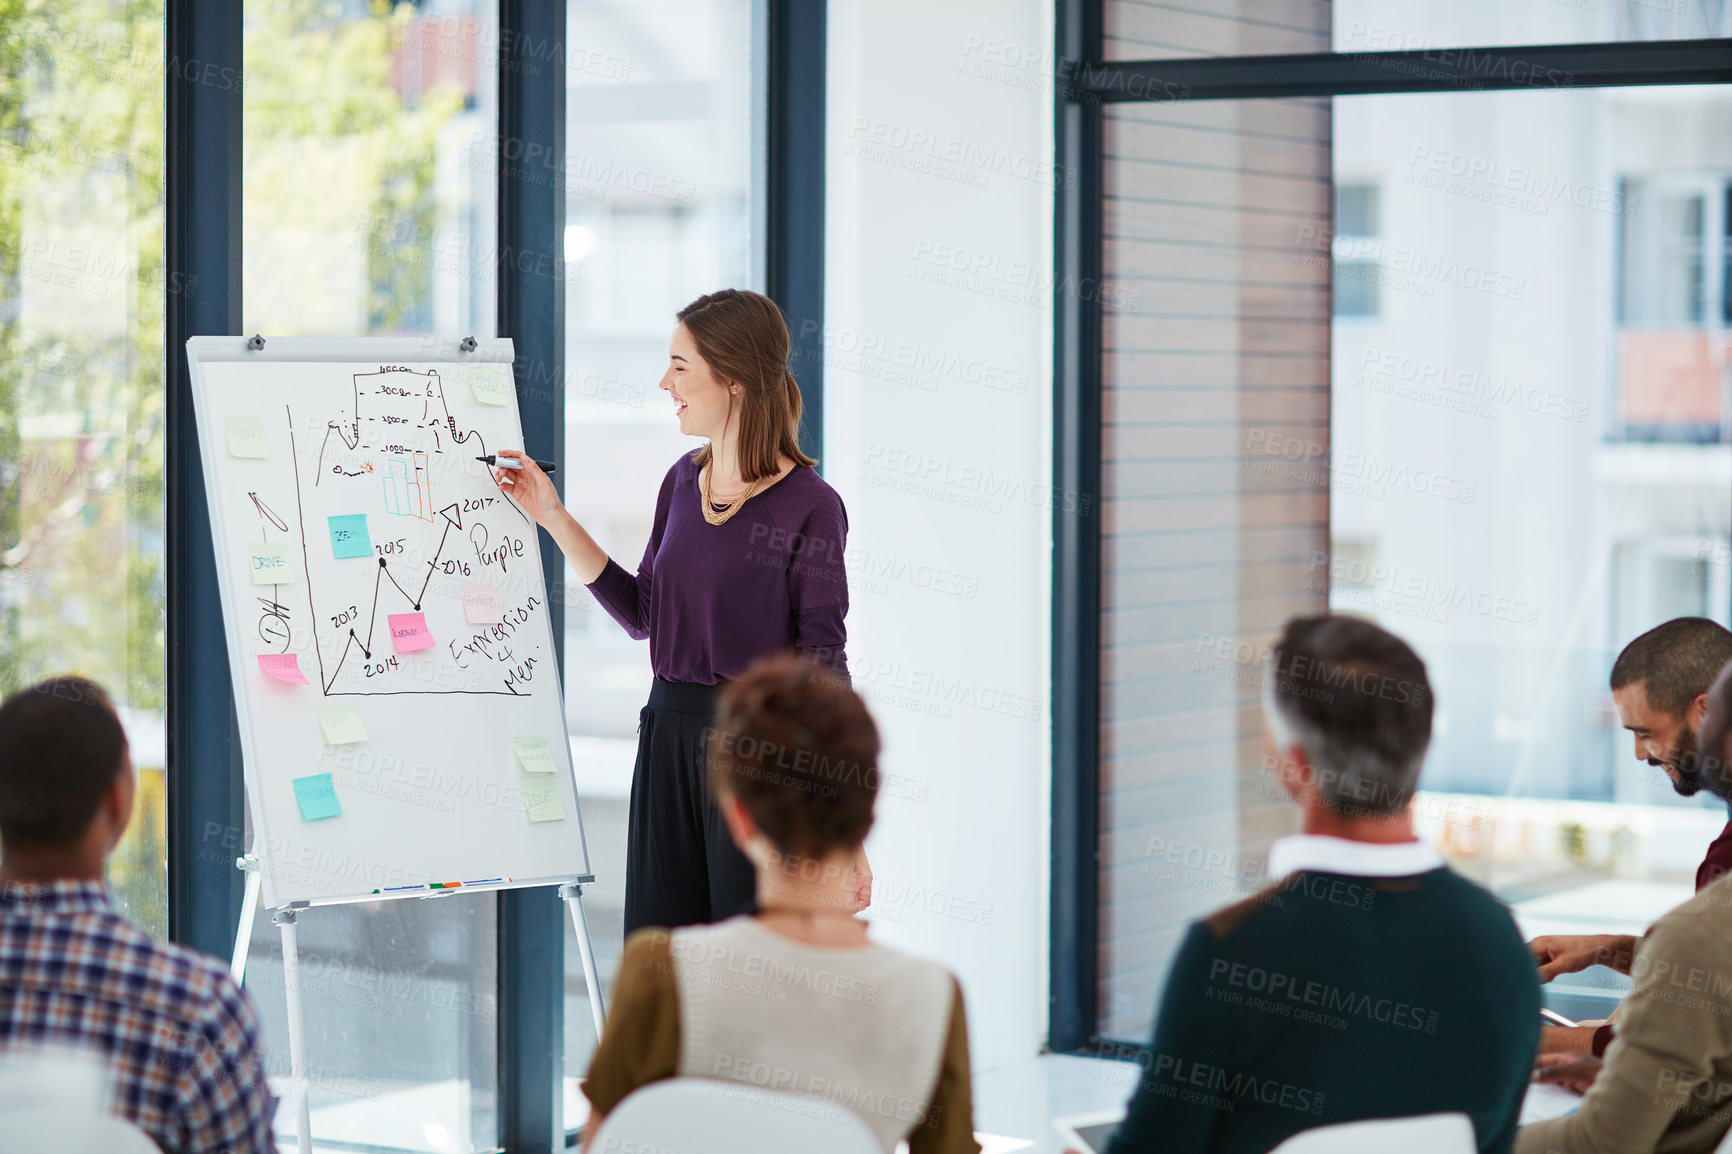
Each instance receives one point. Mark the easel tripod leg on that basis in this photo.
(573, 895)
(285, 920)
(244, 933)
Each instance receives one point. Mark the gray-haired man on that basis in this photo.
(1369, 981)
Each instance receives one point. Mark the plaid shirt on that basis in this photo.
(180, 1038)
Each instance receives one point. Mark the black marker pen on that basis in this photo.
(511, 463)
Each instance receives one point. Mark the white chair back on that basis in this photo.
(53, 1078)
(700, 1116)
(38, 1131)
(1725, 1146)
(1425, 1134)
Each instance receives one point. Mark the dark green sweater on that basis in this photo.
(1330, 998)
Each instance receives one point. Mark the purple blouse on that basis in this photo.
(714, 598)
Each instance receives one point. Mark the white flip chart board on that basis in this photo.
(389, 639)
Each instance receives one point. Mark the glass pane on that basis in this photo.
(1154, 29)
(82, 298)
(369, 168)
(1406, 25)
(368, 172)
(1526, 475)
(1214, 470)
(400, 1002)
(663, 198)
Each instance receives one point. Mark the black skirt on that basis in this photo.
(682, 868)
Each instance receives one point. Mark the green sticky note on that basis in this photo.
(491, 384)
(246, 437)
(341, 724)
(269, 563)
(317, 797)
(349, 535)
(533, 754)
(541, 800)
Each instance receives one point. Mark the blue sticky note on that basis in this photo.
(349, 536)
(317, 797)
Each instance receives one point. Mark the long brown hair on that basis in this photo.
(742, 337)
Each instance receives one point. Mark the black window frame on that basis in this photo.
(1085, 83)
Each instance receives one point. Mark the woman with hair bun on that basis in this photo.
(795, 997)
(744, 559)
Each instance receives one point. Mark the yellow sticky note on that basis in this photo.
(269, 563)
(341, 724)
(534, 754)
(541, 800)
(246, 437)
(491, 384)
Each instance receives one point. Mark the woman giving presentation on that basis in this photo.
(744, 559)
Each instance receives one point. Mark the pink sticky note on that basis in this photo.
(283, 667)
(409, 632)
(481, 605)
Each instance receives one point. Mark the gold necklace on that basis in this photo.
(731, 507)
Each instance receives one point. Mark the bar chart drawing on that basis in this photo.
(406, 495)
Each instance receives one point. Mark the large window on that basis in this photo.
(1482, 466)
(368, 191)
(1454, 360)
(663, 204)
(82, 294)
(368, 179)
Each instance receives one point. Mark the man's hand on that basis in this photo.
(1572, 953)
(1571, 1071)
(1567, 1039)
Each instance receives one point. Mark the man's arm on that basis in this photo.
(1166, 1112)
(1665, 1046)
(225, 1103)
(1572, 953)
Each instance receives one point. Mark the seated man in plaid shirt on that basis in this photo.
(180, 1039)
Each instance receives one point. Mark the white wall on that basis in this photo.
(938, 435)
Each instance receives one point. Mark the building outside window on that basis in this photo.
(1355, 250)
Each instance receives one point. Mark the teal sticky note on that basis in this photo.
(317, 797)
(349, 535)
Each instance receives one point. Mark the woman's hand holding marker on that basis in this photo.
(529, 487)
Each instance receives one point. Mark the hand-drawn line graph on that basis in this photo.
(388, 457)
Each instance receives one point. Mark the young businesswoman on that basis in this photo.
(744, 559)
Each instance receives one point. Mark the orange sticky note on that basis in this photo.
(283, 667)
(409, 632)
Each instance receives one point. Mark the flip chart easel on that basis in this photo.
(389, 638)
